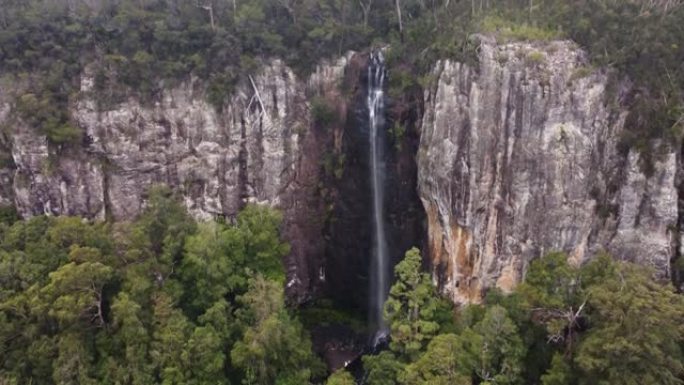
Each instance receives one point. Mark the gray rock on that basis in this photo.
(518, 158)
(260, 147)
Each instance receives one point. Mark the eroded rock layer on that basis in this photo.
(519, 157)
(261, 146)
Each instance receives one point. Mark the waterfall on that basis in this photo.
(380, 260)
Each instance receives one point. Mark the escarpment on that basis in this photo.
(519, 157)
(260, 146)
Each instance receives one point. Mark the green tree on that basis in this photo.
(560, 372)
(260, 227)
(132, 341)
(75, 294)
(153, 246)
(441, 364)
(213, 265)
(171, 331)
(411, 307)
(553, 292)
(205, 356)
(383, 369)
(501, 350)
(636, 332)
(74, 362)
(274, 348)
(341, 377)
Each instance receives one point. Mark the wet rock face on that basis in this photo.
(518, 157)
(349, 232)
(260, 147)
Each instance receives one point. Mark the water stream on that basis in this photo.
(380, 261)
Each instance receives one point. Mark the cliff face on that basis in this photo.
(260, 147)
(519, 157)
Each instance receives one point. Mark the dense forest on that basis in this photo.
(146, 45)
(167, 300)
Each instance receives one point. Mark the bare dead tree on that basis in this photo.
(570, 317)
(401, 26)
(208, 6)
(365, 8)
(664, 6)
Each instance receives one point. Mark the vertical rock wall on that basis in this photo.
(260, 147)
(518, 157)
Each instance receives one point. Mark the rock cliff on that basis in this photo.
(519, 157)
(261, 146)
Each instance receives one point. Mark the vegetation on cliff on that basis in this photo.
(146, 45)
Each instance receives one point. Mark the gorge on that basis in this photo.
(518, 156)
(310, 192)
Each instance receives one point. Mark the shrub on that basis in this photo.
(580, 73)
(49, 115)
(397, 133)
(323, 114)
(508, 30)
(535, 58)
(8, 214)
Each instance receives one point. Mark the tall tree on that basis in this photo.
(441, 364)
(275, 348)
(341, 377)
(383, 369)
(636, 332)
(411, 307)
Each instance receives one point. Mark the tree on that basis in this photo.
(260, 227)
(560, 372)
(132, 339)
(74, 363)
(441, 364)
(554, 293)
(501, 350)
(153, 303)
(214, 264)
(341, 377)
(636, 332)
(165, 224)
(205, 356)
(274, 348)
(171, 332)
(383, 369)
(75, 293)
(411, 307)
(397, 5)
(365, 7)
(208, 6)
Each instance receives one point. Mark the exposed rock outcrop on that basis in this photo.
(260, 147)
(519, 157)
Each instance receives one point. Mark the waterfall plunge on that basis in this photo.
(380, 261)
